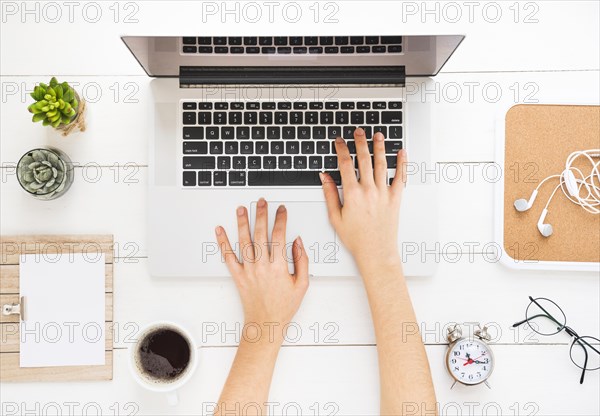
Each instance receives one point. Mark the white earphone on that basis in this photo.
(572, 182)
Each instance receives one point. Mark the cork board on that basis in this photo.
(11, 247)
(539, 138)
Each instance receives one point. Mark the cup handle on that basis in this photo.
(173, 398)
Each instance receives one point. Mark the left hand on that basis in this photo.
(270, 295)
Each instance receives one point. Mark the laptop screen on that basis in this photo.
(165, 56)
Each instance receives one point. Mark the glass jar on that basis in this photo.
(45, 173)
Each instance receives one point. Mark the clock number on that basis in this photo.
(456, 353)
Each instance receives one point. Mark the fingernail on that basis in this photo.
(262, 203)
(339, 140)
(378, 137)
(240, 211)
(281, 209)
(403, 152)
(321, 177)
(360, 131)
(299, 242)
(219, 230)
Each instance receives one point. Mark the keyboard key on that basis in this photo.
(351, 146)
(391, 117)
(395, 132)
(311, 40)
(237, 178)
(315, 50)
(318, 133)
(242, 133)
(220, 117)
(308, 148)
(200, 148)
(304, 133)
(357, 40)
(227, 133)
(315, 162)
(341, 40)
(205, 49)
(378, 49)
(326, 40)
(205, 106)
(268, 50)
(189, 106)
(332, 105)
(235, 40)
(395, 105)
(269, 162)
(258, 133)
(277, 148)
(295, 40)
(273, 133)
(347, 49)
(252, 49)
(247, 148)
(285, 178)
(394, 48)
(357, 117)
(285, 162)
(281, 117)
(327, 117)
(288, 133)
(236, 49)
(231, 148)
(300, 105)
(261, 148)
(266, 117)
(269, 106)
(224, 162)
(189, 118)
(284, 50)
(254, 162)
(189, 41)
(348, 132)
(193, 133)
(221, 106)
(190, 49)
(363, 49)
(372, 40)
(363, 105)
(237, 106)
(292, 148)
(204, 117)
(199, 162)
(347, 105)
(284, 105)
(239, 162)
(373, 117)
(204, 40)
(311, 117)
(216, 148)
(333, 132)
(300, 162)
(323, 147)
(332, 49)
(250, 117)
(392, 162)
(380, 129)
(392, 147)
(252, 105)
(221, 49)
(379, 105)
(235, 117)
(281, 40)
(388, 40)
(316, 105)
(300, 50)
(265, 41)
(330, 162)
(250, 40)
(219, 41)
(296, 117)
(342, 117)
(212, 133)
(189, 178)
(220, 178)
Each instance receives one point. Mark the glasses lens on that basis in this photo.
(545, 317)
(584, 345)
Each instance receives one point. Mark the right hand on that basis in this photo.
(367, 222)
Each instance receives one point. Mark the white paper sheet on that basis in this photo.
(64, 310)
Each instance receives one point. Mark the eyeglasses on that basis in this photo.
(547, 318)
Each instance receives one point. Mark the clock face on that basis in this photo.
(470, 361)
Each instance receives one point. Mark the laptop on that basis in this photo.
(240, 118)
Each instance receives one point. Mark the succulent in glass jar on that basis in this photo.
(45, 173)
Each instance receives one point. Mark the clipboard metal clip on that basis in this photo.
(15, 309)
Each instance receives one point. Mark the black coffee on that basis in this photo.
(164, 354)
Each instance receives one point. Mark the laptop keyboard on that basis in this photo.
(270, 143)
(292, 45)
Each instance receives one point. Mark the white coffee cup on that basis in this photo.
(168, 387)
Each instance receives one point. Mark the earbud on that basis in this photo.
(545, 229)
(523, 204)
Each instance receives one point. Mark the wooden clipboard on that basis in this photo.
(538, 140)
(11, 247)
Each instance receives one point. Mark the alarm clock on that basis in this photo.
(469, 361)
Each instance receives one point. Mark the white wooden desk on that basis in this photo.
(549, 53)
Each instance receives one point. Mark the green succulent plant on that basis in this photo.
(55, 104)
(41, 172)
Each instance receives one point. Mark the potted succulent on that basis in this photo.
(45, 173)
(58, 105)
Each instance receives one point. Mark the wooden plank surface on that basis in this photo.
(12, 246)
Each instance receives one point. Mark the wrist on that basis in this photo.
(262, 334)
(374, 266)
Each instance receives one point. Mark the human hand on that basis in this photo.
(270, 295)
(367, 223)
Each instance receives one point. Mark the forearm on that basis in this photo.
(405, 376)
(247, 387)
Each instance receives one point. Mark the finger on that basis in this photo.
(399, 182)
(278, 237)
(300, 263)
(261, 231)
(365, 167)
(345, 163)
(332, 198)
(246, 248)
(231, 260)
(379, 161)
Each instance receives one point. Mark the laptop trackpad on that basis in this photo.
(309, 221)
